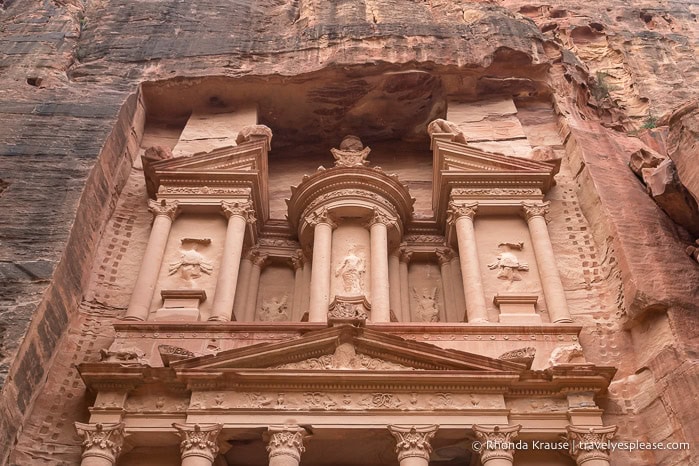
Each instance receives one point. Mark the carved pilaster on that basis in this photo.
(461, 209)
(536, 209)
(241, 209)
(497, 442)
(298, 259)
(198, 440)
(445, 255)
(101, 440)
(285, 441)
(321, 216)
(169, 209)
(590, 443)
(413, 441)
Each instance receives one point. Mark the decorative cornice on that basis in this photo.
(240, 209)
(461, 209)
(198, 440)
(536, 209)
(413, 441)
(590, 443)
(497, 442)
(101, 440)
(169, 209)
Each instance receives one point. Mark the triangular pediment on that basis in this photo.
(245, 164)
(347, 348)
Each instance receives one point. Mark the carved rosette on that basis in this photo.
(101, 440)
(590, 443)
(536, 209)
(382, 218)
(462, 209)
(321, 216)
(198, 440)
(169, 209)
(285, 440)
(497, 442)
(413, 441)
(240, 209)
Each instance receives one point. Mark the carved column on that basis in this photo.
(241, 294)
(457, 287)
(380, 296)
(413, 444)
(323, 227)
(306, 281)
(101, 443)
(165, 213)
(497, 447)
(590, 445)
(239, 214)
(462, 215)
(198, 444)
(394, 283)
(405, 255)
(258, 262)
(296, 307)
(445, 256)
(285, 445)
(535, 213)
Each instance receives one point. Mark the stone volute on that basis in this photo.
(349, 190)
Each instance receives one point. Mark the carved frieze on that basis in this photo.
(345, 357)
(496, 192)
(203, 190)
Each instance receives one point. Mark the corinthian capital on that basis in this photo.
(461, 209)
(444, 255)
(102, 440)
(163, 207)
(413, 441)
(497, 442)
(378, 216)
(590, 443)
(285, 440)
(241, 209)
(321, 216)
(198, 440)
(536, 209)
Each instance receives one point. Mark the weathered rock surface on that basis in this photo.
(683, 145)
(664, 185)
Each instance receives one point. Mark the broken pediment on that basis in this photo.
(347, 348)
(486, 175)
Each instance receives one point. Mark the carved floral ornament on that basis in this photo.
(413, 441)
(590, 443)
(380, 217)
(321, 216)
(536, 209)
(169, 209)
(285, 440)
(198, 440)
(103, 440)
(497, 442)
(458, 210)
(242, 209)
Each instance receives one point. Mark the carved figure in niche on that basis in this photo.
(275, 309)
(192, 263)
(427, 309)
(351, 153)
(507, 264)
(352, 272)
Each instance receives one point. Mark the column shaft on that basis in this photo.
(258, 262)
(380, 301)
(405, 285)
(320, 274)
(305, 303)
(297, 263)
(224, 296)
(444, 257)
(457, 286)
(394, 284)
(142, 296)
(546, 262)
(241, 293)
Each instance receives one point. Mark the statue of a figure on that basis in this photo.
(427, 310)
(508, 264)
(352, 272)
(191, 265)
(274, 309)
